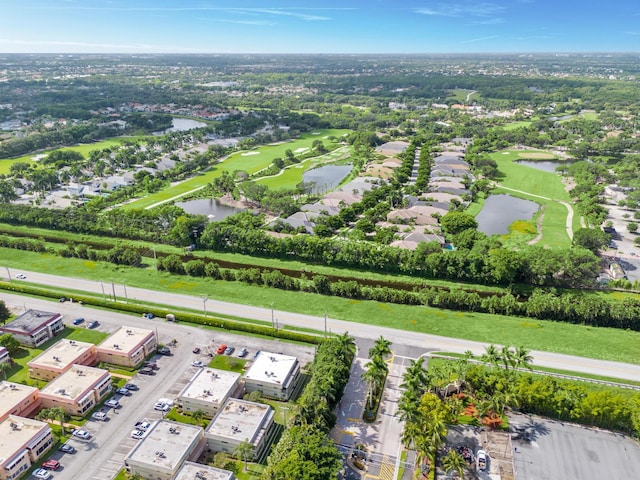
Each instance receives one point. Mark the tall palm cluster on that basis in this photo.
(376, 371)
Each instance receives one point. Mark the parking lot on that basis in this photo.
(556, 450)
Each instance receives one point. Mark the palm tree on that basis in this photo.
(492, 355)
(375, 375)
(4, 368)
(60, 414)
(522, 358)
(507, 358)
(347, 343)
(244, 450)
(454, 461)
(381, 347)
(198, 415)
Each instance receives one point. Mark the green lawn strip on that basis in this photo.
(516, 125)
(292, 175)
(228, 362)
(84, 149)
(600, 343)
(251, 162)
(460, 94)
(283, 411)
(550, 370)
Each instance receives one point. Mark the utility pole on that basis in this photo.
(273, 325)
(124, 285)
(104, 295)
(204, 305)
(113, 289)
(325, 323)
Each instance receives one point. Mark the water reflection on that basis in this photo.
(500, 211)
(326, 178)
(545, 165)
(211, 207)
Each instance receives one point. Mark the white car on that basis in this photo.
(166, 401)
(21, 276)
(82, 434)
(42, 473)
(161, 407)
(197, 363)
(481, 458)
(143, 425)
(137, 434)
(99, 416)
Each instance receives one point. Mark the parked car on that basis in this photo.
(81, 434)
(93, 324)
(143, 425)
(137, 434)
(221, 349)
(256, 355)
(42, 473)
(243, 352)
(78, 321)
(481, 458)
(51, 464)
(229, 350)
(164, 351)
(161, 407)
(123, 391)
(112, 403)
(21, 276)
(151, 365)
(131, 386)
(66, 448)
(197, 363)
(196, 350)
(102, 416)
(146, 371)
(62, 299)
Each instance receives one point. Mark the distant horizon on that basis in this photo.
(344, 54)
(337, 27)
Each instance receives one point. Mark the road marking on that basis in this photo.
(351, 419)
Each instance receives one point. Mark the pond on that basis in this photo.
(500, 211)
(210, 207)
(184, 124)
(545, 165)
(326, 178)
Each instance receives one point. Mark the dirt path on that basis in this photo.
(569, 221)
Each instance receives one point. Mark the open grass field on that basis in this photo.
(601, 343)
(460, 95)
(250, 161)
(292, 175)
(516, 125)
(532, 184)
(84, 149)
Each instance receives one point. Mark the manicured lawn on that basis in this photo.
(250, 161)
(601, 343)
(230, 363)
(292, 175)
(515, 125)
(531, 184)
(460, 94)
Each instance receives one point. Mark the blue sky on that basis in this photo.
(326, 26)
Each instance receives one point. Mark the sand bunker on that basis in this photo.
(246, 154)
(300, 150)
(538, 155)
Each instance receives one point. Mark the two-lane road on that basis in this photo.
(424, 341)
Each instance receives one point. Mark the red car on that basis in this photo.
(221, 349)
(51, 465)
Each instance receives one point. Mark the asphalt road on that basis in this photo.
(411, 340)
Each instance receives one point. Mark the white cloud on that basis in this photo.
(481, 39)
(462, 10)
(111, 47)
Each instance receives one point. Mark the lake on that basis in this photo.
(184, 124)
(326, 178)
(211, 207)
(500, 211)
(545, 165)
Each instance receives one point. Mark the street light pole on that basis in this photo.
(204, 305)
(325, 323)
(8, 273)
(124, 285)
(113, 289)
(104, 295)
(273, 325)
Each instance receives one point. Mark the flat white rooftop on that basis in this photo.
(15, 432)
(196, 471)
(166, 444)
(72, 383)
(125, 339)
(238, 420)
(61, 354)
(211, 385)
(273, 368)
(12, 394)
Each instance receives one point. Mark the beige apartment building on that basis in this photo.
(23, 442)
(273, 374)
(197, 471)
(240, 420)
(208, 389)
(34, 327)
(128, 347)
(165, 448)
(59, 358)
(77, 390)
(17, 399)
